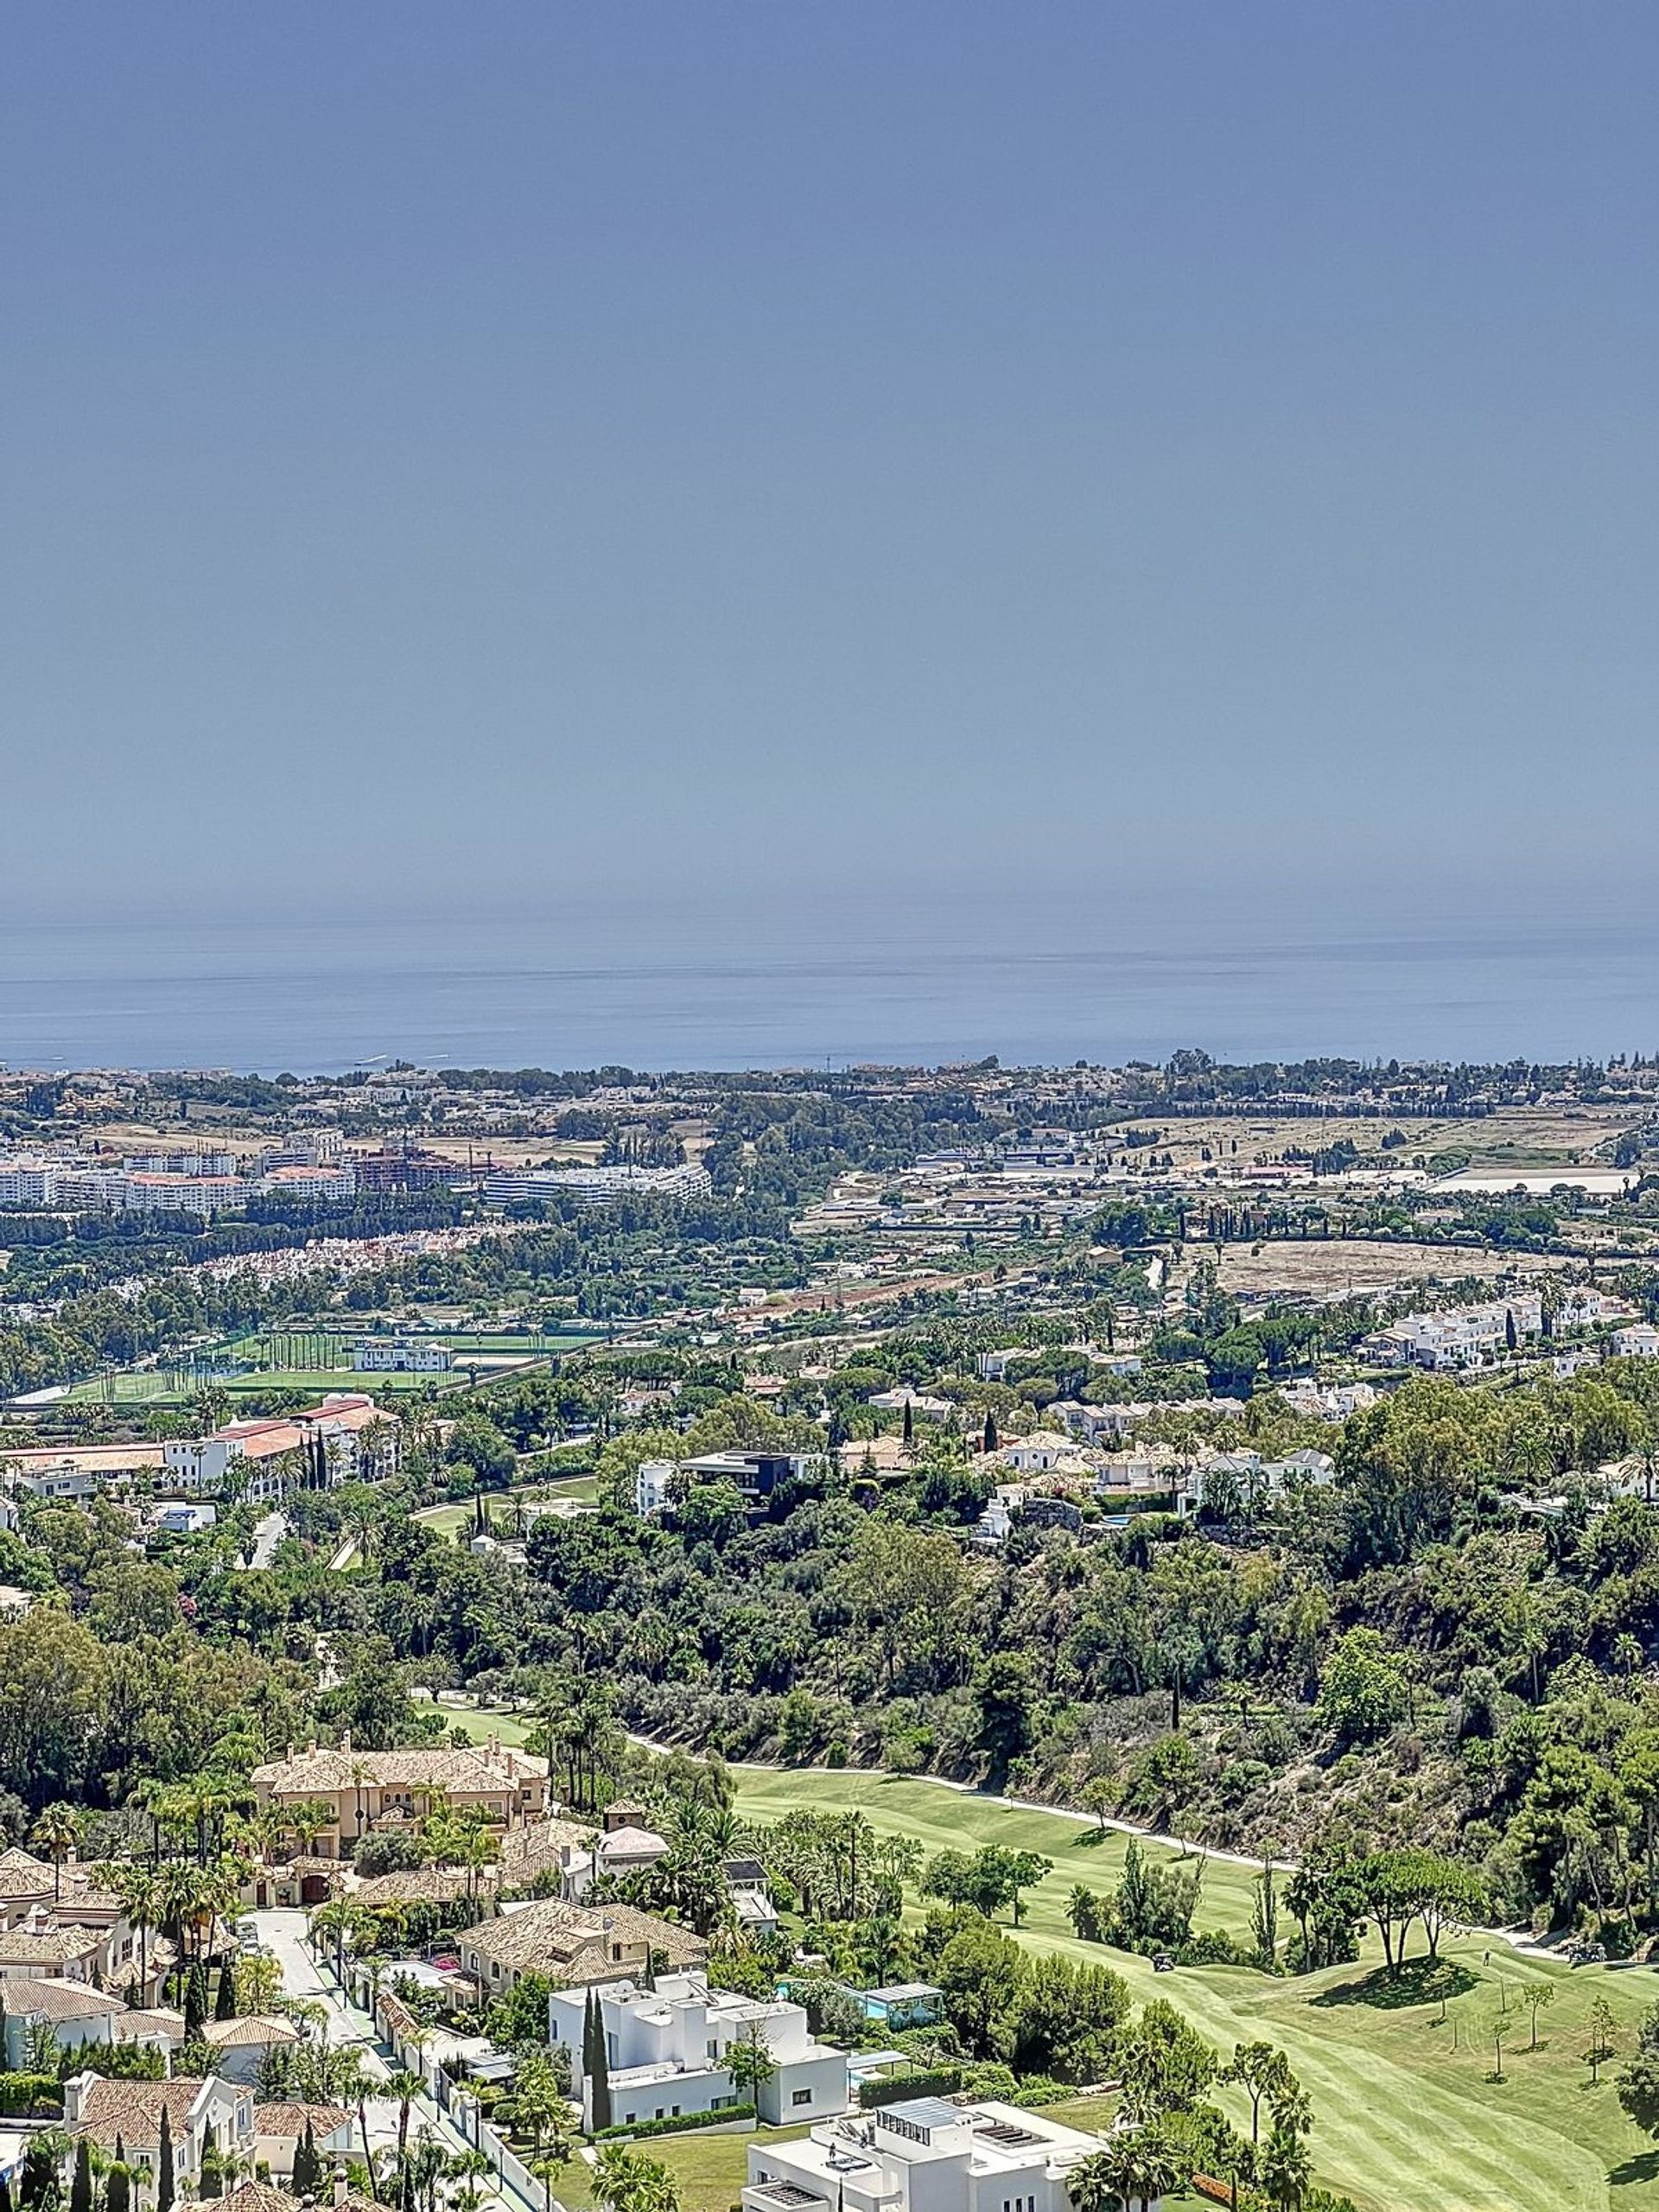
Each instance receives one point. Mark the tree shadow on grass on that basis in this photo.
(1644, 2167)
(1419, 1981)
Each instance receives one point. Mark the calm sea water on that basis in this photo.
(782, 987)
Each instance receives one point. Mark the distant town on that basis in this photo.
(970, 1639)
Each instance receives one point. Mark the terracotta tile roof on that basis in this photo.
(257, 2196)
(473, 1768)
(47, 1947)
(421, 1886)
(59, 2000)
(132, 2110)
(23, 1875)
(138, 2024)
(287, 2120)
(577, 1940)
(252, 2029)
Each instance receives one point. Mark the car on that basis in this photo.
(1163, 1963)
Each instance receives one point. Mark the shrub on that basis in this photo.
(676, 2123)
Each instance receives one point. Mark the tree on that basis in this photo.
(1259, 2069)
(751, 2065)
(118, 2188)
(80, 2188)
(1264, 1918)
(1536, 1996)
(56, 1832)
(1603, 2031)
(1498, 2028)
(307, 2166)
(1639, 2084)
(1285, 2167)
(166, 2189)
(1137, 2165)
(224, 2000)
(1005, 1691)
(1363, 1690)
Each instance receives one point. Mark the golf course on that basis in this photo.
(1408, 2114)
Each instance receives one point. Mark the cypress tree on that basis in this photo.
(225, 2008)
(910, 1426)
(601, 2099)
(195, 2002)
(991, 1430)
(117, 2190)
(307, 2167)
(166, 2190)
(80, 2188)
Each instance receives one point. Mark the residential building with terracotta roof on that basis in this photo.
(198, 2111)
(574, 1944)
(76, 2013)
(366, 1791)
(279, 2128)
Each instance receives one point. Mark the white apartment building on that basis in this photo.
(596, 1187)
(1467, 1336)
(666, 2047)
(923, 2155)
(29, 1182)
(312, 1182)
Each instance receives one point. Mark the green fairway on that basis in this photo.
(1405, 2116)
(479, 1723)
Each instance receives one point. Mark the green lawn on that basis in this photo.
(1407, 2113)
(710, 2169)
(480, 1723)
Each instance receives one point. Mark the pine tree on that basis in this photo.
(166, 2190)
(225, 2008)
(80, 2188)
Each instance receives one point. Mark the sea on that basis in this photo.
(781, 984)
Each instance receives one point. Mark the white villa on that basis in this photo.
(922, 2155)
(666, 2047)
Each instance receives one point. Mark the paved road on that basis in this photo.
(267, 1535)
(284, 1933)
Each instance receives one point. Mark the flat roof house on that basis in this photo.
(923, 2155)
(666, 2052)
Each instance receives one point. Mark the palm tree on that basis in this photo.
(405, 2087)
(1285, 2167)
(56, 1832)
(139, 1891)
(469, 2168)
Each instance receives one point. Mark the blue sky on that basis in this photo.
(455, 456)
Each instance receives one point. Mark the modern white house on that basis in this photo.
(667, 2051)
(1639, 1341)
(923, 2155)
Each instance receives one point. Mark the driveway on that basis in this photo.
(283, 1934)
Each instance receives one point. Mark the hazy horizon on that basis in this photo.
(464, 462)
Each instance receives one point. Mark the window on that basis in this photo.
(804, 2097)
